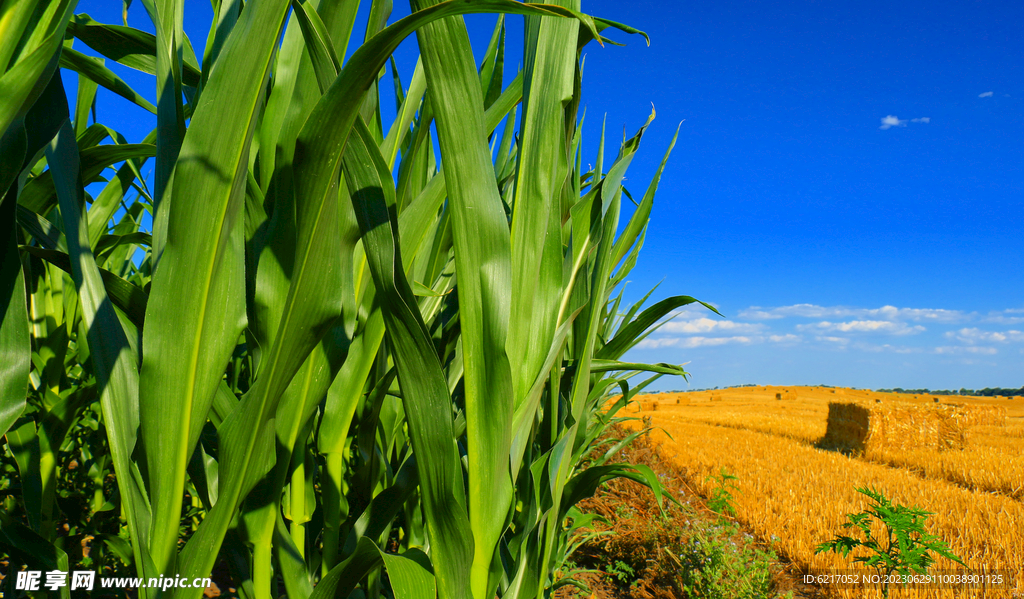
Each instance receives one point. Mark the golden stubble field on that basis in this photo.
(794, 495)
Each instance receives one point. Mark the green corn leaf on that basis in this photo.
(543, 168)
(126, 296)
(640, 217)
(629, 334)
(130, 47)
(22, 82)
(408, 572)
(425, 390)
(493, 65)
(101, 75)
(197, 309)
(225, 18)
(585, 483)
(15, 345)
(293, 566)
(16, 19)
(39, 195)
(168, 16)
(597, 365)
(86, 96)
(318, 43)
(112, 357)
(35, 551)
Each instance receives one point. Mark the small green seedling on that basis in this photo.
(906, 547)
(721, 497)
(623, 572)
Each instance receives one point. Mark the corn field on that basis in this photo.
(349, 357)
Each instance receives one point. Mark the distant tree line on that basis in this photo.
(986, 392)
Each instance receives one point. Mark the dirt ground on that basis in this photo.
(635, 556)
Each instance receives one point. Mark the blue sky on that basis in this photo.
(846, 187)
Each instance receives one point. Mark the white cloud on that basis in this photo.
(892, 121)
(883, 313)
(787, 338)
(836, 340)
(689, 342)
(885, 347)
(708, 325)
(959, 350)
(985, 95)
(1005, 317)
(975, 335)
(863, 326)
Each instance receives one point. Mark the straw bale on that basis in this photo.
(894, 426)
(716, 397)
(848, 426)
(683, 400)
(907, 426)
(981, 415)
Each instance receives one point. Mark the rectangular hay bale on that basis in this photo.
(894, 426)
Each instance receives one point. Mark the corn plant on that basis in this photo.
(339, 360)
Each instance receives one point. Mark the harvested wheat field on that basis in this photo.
(800, 452)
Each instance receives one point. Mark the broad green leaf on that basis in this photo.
(168, 16)
(130, 47)
(628, 334)
(101, 75)
(640, 217)
(543, 168)
(34, 551)
(126, 296)
(15, 345)
(33, 50)
(408, 572)
(196, 310)
(425, 390)
(493, 65)
(112, 357)
(39, 195)
(86, 95)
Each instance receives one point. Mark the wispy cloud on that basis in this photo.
(886, 347)
(708, 325)
(891, 121)
(976, 335)
(960, 350)
(698, 341)
(788, 338)
(985, 95)
(863, 326)
(1012, 316)
(831, 339)
(883, 313)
